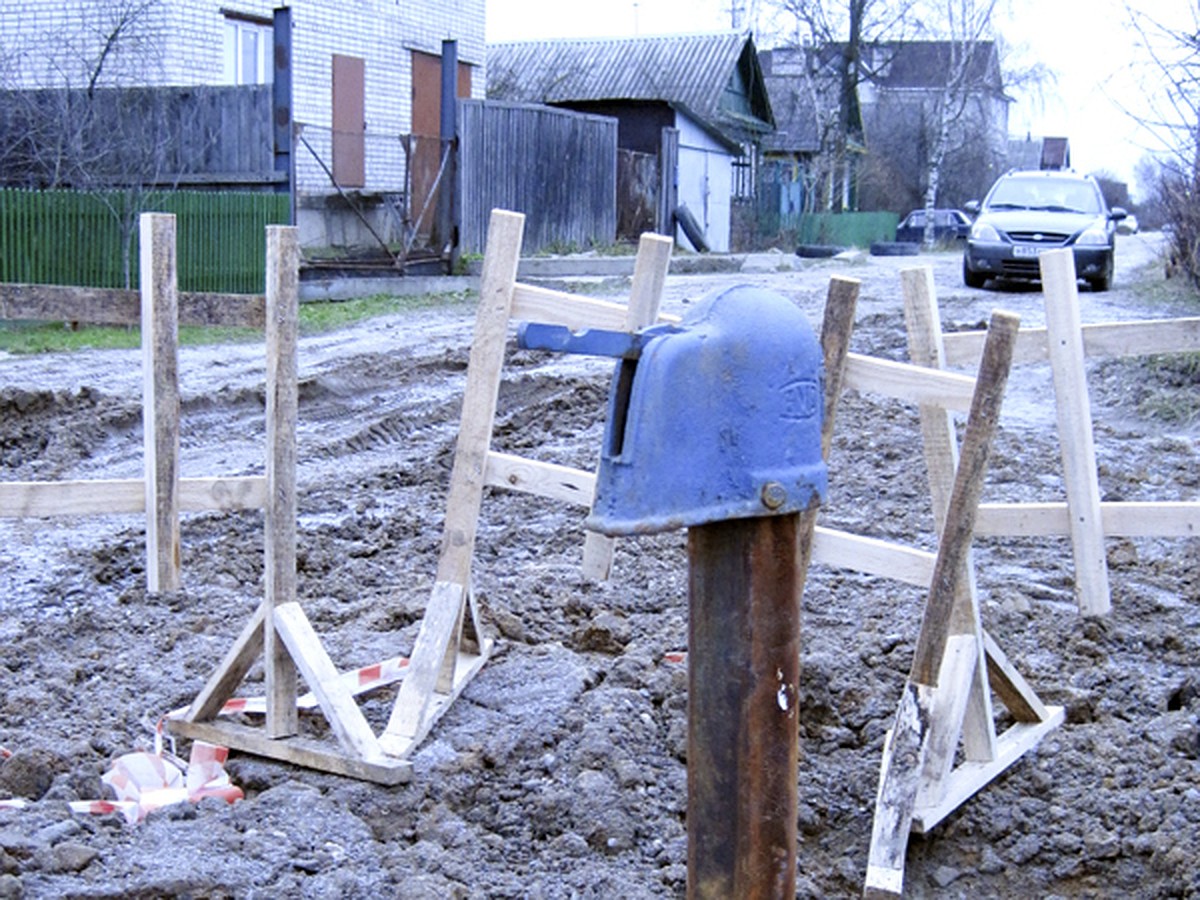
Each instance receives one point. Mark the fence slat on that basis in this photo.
(74, 238)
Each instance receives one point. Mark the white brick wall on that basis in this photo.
(51, 43)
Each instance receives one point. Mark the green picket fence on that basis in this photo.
(852, 229)
(70, 237)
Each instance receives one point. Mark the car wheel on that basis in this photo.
(818, 251)
(972, 279)
(894, 248)
(1103, 282)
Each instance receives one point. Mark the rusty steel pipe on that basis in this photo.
(744, 587)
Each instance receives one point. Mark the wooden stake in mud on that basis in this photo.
(942, 662)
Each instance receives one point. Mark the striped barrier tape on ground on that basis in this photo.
(144, 782)
(359, 681)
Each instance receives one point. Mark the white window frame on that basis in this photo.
(245, 37)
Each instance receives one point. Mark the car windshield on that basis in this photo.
(1055, 195)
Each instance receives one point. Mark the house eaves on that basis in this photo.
(714, 77)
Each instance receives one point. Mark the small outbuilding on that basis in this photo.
(691, 110)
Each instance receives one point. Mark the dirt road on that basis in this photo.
(561, 772)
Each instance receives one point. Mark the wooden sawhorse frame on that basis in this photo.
(450, 647)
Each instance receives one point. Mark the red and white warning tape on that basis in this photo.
(358, 681)
(144, 782)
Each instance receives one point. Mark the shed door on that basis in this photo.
(349, 121)
(426, 155)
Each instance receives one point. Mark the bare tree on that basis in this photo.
(76, 124)
(834, 33)
(970, 58)
(1170, 115)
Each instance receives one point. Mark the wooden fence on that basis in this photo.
(559, 168)
(76, 238)
(165, 136)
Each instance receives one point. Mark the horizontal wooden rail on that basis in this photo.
(538, 304)
(127, 495)
(1138, 338)
(550, 480)
(114, 306)
(1137, 519)
(904, 381)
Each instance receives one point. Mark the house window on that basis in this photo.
(248, 50)
(744, 173)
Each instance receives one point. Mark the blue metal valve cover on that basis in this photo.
(717, 419)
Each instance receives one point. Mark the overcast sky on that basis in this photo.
(1084, 42)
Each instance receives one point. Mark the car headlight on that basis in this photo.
(982, 231)
(1094, 236)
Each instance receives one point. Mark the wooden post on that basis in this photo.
(940, 444)
(283, 258)
(160, 399)
(941, 659)
(1065, 341)
(649, 273)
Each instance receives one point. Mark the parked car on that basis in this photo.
(1026, 213)
(949, 225)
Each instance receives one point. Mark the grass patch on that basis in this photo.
(315, 318)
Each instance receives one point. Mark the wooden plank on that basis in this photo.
(970, 777)
(538, 304)
(895, 799)
(126, 495)
(1118, 519)
(872, 556)
(841, 303)
(1016, 693)
(645, 295)
(950, 568)
(279, 566)
(1075, 436)
(925, 348)
(940, 445)
(1135, 338)
(310, 754)
(160, 399)
(950, 701)
(466, 667)
(480, 396)
(549, 480)
(116, 306)
(225, 310)
(224, 494)
(333, 696)
(904, 381)
(230, 673)
(438, 631)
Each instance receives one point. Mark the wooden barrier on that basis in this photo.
(161, 493)
(1082, 517)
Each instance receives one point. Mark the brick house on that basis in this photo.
(365, 76)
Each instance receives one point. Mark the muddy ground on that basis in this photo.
(560, 773)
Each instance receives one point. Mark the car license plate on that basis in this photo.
(1026, 251)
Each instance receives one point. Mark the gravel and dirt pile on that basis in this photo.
(560, 773)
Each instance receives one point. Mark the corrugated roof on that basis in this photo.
(686, 71)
